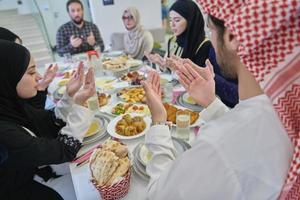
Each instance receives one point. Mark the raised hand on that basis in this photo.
(48, 77)
(199, 83)
(174, 62)
(153, 95)
(75, 41)
(76, 80)
(201, 70)
(88, 89)
(91, 39)
(157, 59)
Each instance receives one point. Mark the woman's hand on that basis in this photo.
(88, 90)
(157, 59)
(76, 80)
(153, 95)
(174, 62)
(199, 82)
(48, 77)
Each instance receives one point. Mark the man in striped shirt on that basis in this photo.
(78, 35)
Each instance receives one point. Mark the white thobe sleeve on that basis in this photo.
(78, 122)
(63, 107)
(199, 173)
(159, 142)
(216, 109)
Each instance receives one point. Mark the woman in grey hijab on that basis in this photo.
(137, 40)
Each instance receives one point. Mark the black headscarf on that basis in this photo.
(14, 61)
(194, 34)
(6, 34)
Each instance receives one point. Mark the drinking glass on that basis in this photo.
(167, 91)
(183, 124)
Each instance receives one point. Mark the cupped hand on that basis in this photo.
(76, 80)
(88, 89)
(48, 77)
(75, 41)
(153, 95)
(157, 59)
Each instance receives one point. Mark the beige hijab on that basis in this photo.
(133, 39)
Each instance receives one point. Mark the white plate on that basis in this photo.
(104, 80)
(145, 155)
(104, 120)
(114, 53)
(108, 109)
(105, 83)
(96, 120)
(133, 63)
(111, 127)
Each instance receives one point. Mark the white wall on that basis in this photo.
(108, 18)
(8, 4)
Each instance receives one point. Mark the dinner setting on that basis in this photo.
(156, 100)
(122, 114)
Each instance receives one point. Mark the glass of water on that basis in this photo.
(167, 91)
(183, 124)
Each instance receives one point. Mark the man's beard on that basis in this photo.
(77, 20)
(224, 59)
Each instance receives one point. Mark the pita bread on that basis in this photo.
(124, 165)
(116, 147)
(103, 165)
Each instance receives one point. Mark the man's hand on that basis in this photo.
(91, 39)
(75, 41)
(199, 82)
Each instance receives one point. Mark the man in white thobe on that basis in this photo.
(242, 153)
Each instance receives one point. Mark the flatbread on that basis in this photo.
(124, 165)
(103, 166)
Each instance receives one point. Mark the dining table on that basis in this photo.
(81, 175)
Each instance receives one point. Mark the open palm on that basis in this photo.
(153, 95)
(76, 80)
(88, 89)
(199, 82)
(48, 77)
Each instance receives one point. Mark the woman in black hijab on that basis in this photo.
(40, 99)
(6, 34)
(35, 137)
(189, 41)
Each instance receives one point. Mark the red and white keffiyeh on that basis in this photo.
(269, 36)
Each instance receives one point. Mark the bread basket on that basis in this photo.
(117, 190)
